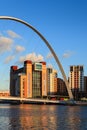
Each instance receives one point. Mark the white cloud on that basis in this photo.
(67, 54)
(5, 44)
(19, 49)
(12, 34)
(32, 56)
(8, 59)
(49, 55)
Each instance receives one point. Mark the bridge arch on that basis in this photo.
(48, 45)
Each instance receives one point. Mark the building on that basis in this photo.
(28, 81)
(39, 88)
(76, 79)
(51, 82)
(85, 84)
(61, 87)
(4, 94)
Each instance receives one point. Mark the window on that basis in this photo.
(38, 66)
(36, 88)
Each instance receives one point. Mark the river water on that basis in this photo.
(42, 117)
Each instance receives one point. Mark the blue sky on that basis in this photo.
(62, 22)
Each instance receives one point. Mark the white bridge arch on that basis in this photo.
(48, 45)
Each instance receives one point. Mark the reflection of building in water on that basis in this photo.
(38, 117)
(49, 120)
(33, 80)
(73, 120)
(26, 122)
(19, 117)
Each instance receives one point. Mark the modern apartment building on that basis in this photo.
(28, 81)
(51, 81)
(76, 78)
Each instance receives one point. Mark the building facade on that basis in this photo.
(61, 87)
(51, 82)
(4, 94)
(28, 81)
(85, 84)
(76, 78)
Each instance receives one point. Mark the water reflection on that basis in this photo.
(35, 117)
(73, 118)
(42, 117)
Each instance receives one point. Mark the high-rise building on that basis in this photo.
(76, 78)
(51, 81)
(28, 81)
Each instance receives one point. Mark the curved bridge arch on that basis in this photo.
(48, 45)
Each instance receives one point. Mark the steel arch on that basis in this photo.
(48, 45)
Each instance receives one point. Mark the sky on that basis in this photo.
(62, 22)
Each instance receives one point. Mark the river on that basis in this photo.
(42, 117)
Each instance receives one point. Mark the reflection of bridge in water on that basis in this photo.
(48, 45)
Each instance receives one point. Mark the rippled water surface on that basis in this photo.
(42, 117)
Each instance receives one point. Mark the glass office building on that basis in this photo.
(28, 81)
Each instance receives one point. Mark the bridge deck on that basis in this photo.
(27, 100)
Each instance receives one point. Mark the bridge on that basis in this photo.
(50, 48)
(18, 100)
